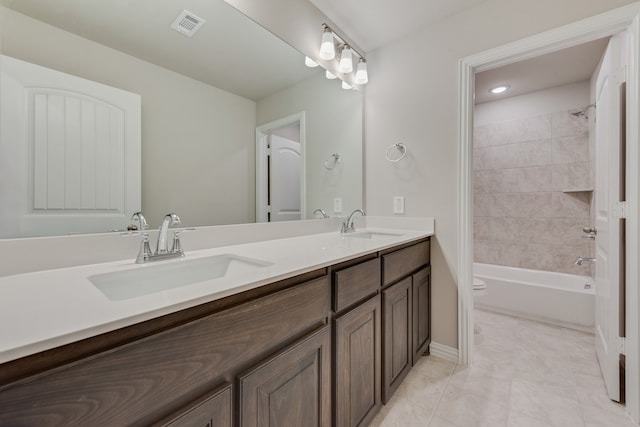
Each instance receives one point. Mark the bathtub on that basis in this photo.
(555, 298)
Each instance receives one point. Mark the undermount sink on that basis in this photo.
(370, 235)
(149, 279)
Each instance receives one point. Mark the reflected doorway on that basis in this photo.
(280, 190)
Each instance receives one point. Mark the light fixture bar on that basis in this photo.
(342, 42)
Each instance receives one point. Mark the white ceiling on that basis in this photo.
(375, 23)
(229, 48)
(230, 51)
(566, 66)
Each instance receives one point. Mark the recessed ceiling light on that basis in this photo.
(499, 89)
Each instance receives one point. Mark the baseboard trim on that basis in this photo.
(443, 351)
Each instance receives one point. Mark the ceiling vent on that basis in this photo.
(187, 23)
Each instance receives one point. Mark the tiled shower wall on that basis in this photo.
(526, 212)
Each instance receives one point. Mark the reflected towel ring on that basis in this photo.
(333, 161)
(396, 152)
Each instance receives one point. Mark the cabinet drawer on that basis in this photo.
(398, 264)
(355, 283)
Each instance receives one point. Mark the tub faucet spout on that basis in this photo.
(581, 260)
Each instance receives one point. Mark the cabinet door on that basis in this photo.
(291, 389)
(357, 364)
(211, 411)
(396, 339)
(421, 313)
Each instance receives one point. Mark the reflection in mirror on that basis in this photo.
(201, 100)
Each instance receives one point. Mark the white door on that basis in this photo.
(69, 153)
(284, 179)
(607, 219)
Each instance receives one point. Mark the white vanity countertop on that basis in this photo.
(46, 309)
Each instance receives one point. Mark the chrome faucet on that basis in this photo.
(321, 212)
(580, 260)
(163, 242)
(162, 248)
(142, 221)
(347, 225)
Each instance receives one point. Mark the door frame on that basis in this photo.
(599, 26)
(262, 139)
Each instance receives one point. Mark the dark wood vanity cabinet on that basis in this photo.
(421, 295)
(143, 381)
(397, 340)
(357, 364)
(291, 389)
(405, 312)
(213, 410)
(324, 348)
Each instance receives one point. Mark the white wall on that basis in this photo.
(412, 97)
(333, 125)
(198, 143)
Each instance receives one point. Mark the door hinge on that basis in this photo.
(619, 209)
(268, 208)
(622, 347)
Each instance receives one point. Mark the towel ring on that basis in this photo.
(333, 161)
(391, 152)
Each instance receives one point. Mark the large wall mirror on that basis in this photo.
(202, 100)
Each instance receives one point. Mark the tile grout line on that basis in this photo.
(444, 389)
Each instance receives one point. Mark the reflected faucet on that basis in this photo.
(580, 260)
(321, 212)
(347, 225)
(142, 221)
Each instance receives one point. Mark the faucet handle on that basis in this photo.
(145, 249)
(176, 247)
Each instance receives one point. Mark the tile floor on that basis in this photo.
(525, 374)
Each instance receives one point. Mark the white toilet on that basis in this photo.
(479, 287)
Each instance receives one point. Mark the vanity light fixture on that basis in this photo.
(346, 60)
(331, 42)
(328, 74)
(310, 62)
(499, 89)
(362, 76)
(327, 46)
(346, 85)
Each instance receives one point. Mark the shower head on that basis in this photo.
(583, 113)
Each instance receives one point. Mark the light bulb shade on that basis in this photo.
(346, 60)
(328, 74)
(310, 62)
(346, 85)
(362, 76)
(327, 47)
